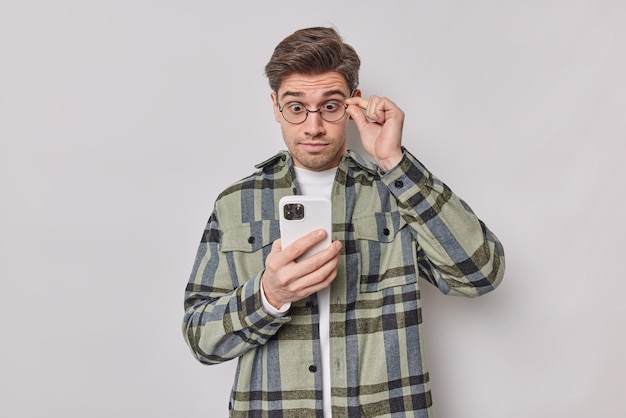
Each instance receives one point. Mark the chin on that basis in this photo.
(318, 164)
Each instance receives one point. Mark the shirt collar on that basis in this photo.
(284, 157)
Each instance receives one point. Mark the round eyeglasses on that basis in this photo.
(296, 112)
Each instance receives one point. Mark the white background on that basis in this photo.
(121, 121)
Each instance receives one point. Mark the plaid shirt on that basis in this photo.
(395, 227)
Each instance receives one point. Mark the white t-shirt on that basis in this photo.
(316, 183)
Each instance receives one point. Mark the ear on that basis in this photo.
(274, 98)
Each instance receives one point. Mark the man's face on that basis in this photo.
(314, 144)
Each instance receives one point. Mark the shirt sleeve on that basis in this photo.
(460, 254)
(224, 314)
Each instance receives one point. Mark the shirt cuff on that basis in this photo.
(270, 309)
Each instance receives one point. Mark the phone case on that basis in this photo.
(316, 213)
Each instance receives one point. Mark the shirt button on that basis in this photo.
(312, 368)
(251, 240)
(386, 231)
(309, 305)
(399, 184)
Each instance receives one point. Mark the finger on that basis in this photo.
(357, 116)
(357, 101)
(374, 108)
(316, 261)
(377, 109)
(275, 254)
(303, 244)
(277, 245)
(307, 276)
(372, 103)
(321, 284)
(319, 277)
(369, 105)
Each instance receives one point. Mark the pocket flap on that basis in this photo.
(381, 227)
(250, 237)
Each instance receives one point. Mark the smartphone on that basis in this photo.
(300, 215)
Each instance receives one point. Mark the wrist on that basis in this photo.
(390, 162)
(274, 309)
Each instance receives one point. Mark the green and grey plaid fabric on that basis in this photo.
(395, 227)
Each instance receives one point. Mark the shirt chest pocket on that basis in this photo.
(387, 251)
(246, 245)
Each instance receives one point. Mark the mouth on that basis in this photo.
(313, 146)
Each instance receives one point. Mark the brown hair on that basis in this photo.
(313, 51)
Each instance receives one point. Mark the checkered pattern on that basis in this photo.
(395, 227)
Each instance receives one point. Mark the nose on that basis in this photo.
(314, 124)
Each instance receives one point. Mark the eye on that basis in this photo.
(295, 107)
(331, 106)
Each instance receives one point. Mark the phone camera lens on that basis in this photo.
(293, 211)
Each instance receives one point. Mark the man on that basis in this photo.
(338, 333)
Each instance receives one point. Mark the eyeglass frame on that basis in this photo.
(318, 110)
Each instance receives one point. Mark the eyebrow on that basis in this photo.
(328, 93)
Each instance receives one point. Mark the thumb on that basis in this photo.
(357, 116)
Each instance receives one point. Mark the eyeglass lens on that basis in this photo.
(331, 111)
